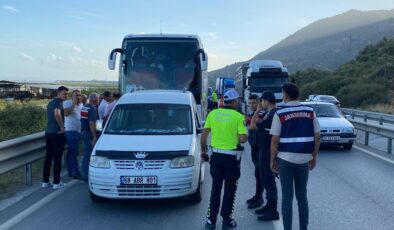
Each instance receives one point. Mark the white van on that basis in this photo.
(149, 149)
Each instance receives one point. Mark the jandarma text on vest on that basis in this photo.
(289, 116)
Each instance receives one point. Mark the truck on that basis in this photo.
(258, 76)
(222, 85)
(163, 61)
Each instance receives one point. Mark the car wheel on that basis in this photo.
(95, 198)
(348, 146)
(196, 197)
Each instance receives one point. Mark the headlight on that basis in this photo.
(99, 162)
(182, 162)
(347, 130)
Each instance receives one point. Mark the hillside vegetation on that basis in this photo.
(327, 43)
(365, 82)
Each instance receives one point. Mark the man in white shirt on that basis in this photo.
(294, 147)
(110, 107)
(72, 125)
(107, 99)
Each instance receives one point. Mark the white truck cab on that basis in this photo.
(149, 148)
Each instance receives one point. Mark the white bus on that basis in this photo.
(163, 61)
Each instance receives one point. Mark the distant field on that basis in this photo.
(90, 84)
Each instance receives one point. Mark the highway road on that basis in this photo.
(348, 190)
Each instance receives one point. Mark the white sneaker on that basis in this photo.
(60, 185)
(45, 185)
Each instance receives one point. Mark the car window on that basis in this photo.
(328, 98)
(150, 119)
(326, 110)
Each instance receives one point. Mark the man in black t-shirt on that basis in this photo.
(55, 139)
(269, 211)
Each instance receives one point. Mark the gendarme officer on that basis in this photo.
(228, 131)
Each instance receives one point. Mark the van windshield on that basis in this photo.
(150, 119)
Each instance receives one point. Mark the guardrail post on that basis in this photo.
(353, 115)
(380, 120)
(28, 174)
(366, 138)
(389, 146)
(365, 117)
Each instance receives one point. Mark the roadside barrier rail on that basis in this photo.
(379, 130)
(382, 118)
(22, 151)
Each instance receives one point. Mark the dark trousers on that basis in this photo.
(255, 160)
(294, 177)
(54, 150)
(223, 168)
(267, 176)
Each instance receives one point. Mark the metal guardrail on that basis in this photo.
(365, 115)
(375, 129)
(22, 151)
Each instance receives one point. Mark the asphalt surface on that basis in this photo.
(347, 190)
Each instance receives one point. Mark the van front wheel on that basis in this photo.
(196, 197)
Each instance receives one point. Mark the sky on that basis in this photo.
(46, 40)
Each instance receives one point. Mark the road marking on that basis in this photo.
(278, 223)
(374, 154)
(18, 218)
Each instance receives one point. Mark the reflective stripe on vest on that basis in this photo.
(297, 133)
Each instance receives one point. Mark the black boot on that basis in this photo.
(271, 213)
(263, 210)
(229, 224)
(252, 200)
(256, 203)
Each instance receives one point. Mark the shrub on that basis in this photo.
(20, 120)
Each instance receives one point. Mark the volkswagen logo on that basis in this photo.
(139, 165)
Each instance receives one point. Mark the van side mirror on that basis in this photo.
(99, 125)
(199, 130)
(204, 61)
(347, 116)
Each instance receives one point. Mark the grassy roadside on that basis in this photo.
(13, 181)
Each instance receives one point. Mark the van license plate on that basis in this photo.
(138, 180)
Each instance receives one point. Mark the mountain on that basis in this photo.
(366, 82)
(326, 43)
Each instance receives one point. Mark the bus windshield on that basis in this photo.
(160, 64)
